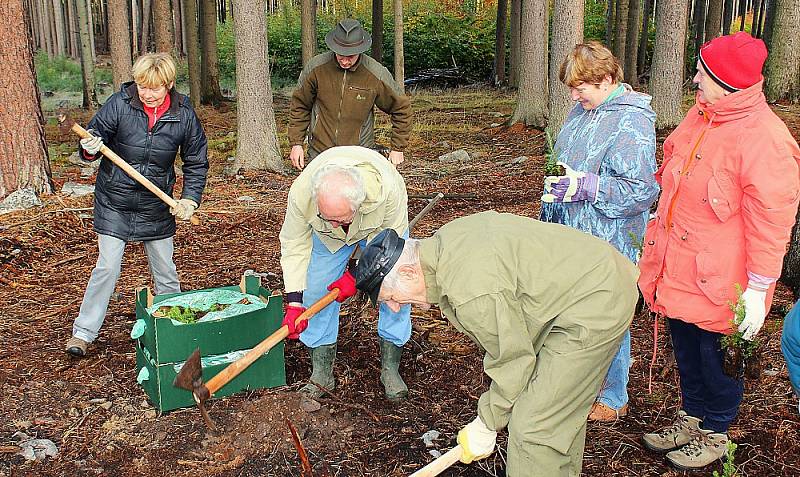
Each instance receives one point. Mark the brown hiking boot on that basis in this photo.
(76, 347)
(705, 448)
(604, 413)
(674, 436)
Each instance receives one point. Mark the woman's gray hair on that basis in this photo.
(409, 256)
(341, 181)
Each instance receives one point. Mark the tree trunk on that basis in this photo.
(119, 35)
(713, 19)
(499, 76)
(144, 45)
(90, 24)
(567, 32)
(60, 27)
(742, 13)
(163, 26)
(759, 30)
(782, 71)
(192, 48)
(308, 36)
(72, 46)
(47, 17)
(620, 30)
(377, 30)
(647, 13)
(87, 65)
(513, 66)
(699, 19)
(23, 151)
(257, 135)
(666, 74)
(178, 10)
(756, 17)
(399, 56)
(209, 61)
(727, 16)
(611, 9)
(790, 275)
(135, 26)
(632, 44)
(532, 95)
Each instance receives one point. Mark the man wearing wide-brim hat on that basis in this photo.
(548, 304)
(333, 104)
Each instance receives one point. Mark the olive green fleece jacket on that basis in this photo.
(386, 206)
(335, 107)
(509, 281)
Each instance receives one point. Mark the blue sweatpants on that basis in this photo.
(323, 328)
(707, 392)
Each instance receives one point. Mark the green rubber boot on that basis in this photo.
(396, 389)
(322, 358)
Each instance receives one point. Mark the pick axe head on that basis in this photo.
(190, 378)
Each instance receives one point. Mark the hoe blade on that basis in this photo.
(190, 376)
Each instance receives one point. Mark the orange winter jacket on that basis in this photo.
(730, 182)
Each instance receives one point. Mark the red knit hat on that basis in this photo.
(734, 61)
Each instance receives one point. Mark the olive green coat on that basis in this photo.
(524, 289)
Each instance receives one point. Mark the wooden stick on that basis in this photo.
(439, 465)
(436, 198)
(232, 370)
(120, 162)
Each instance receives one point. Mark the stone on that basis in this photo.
(429, 437)
(37, 449)
(309, 405)
(520, 159)
(74, 189)
(21, 199)
(455, 156)
(245, 198)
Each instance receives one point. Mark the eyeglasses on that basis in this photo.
(334, 222)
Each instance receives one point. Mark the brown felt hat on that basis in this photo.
(348, 38)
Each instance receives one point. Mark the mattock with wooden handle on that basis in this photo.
(440, 464)
(122, 164)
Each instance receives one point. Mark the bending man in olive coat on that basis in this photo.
(547, 303)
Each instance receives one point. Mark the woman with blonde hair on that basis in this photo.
(147, 122)
(607, 149)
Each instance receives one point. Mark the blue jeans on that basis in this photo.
(614, 392)
(707, 392)
(790, 346)
(323, 328)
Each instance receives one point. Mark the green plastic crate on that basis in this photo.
(165, 345)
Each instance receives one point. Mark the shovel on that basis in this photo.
(439, 465)
(120, 162)
(190, 376)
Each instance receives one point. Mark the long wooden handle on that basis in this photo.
(439, 465)
(436, 198)
(232, 370)
(120, 162)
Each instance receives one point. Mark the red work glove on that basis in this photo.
(292, 312)
(346, 285)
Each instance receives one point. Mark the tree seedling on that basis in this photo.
(728, 467)
(186, 314)
(741, 357)
(551, 166)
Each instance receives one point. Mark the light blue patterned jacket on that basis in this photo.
(616, 141)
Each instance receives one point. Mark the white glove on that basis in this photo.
(184, 209)
(574, 183)
(476, 440)
(755, 310)
(92, 144)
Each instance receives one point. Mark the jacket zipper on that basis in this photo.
(339, 110)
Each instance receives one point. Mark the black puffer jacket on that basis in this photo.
(122, 207)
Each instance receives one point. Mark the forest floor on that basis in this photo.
(100, 419)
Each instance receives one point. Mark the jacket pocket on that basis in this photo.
(723, 197)
(710, 278)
